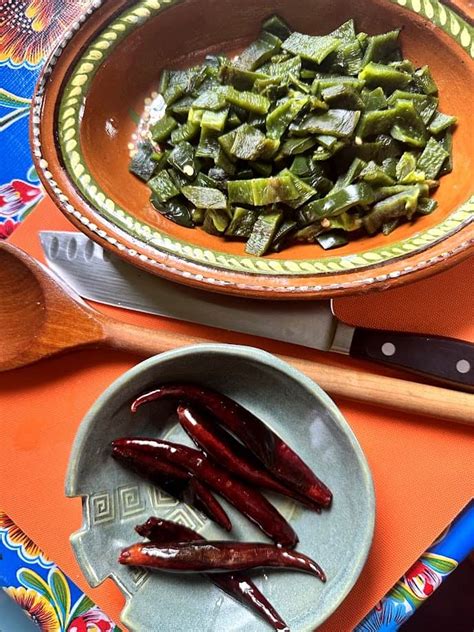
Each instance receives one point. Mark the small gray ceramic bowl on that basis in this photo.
(115, 500)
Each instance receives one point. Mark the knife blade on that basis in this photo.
(98, 275)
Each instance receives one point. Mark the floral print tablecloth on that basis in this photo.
(29, 29)
(52, 600)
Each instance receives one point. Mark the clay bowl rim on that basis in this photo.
(262, 282)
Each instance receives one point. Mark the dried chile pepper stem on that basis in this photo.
(274, 453)
(229, 453)
(247, 500)
(236, 585)
(207, 556)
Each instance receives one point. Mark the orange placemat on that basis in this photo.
(423, 470)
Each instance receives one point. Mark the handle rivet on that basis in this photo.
(388, 348)
(463, 366)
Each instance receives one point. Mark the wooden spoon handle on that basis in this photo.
(402, 395)
(389, 392)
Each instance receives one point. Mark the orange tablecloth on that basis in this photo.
(423, 470)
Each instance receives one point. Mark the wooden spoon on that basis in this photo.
(40, 317)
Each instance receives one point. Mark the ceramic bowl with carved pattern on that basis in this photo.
(102, 74)
(115, 499)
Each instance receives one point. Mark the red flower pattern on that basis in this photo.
(7, 228)
(34, 27)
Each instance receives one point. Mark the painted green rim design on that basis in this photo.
(69, 139)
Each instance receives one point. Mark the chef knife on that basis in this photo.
(98, 275)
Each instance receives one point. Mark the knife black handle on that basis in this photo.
(447, 360)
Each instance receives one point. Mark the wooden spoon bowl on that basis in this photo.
(38, 316)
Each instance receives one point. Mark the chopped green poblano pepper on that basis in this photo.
(379, 47)
(345, 221)
(163, 186)
(277, 26)
(426, 205)
(307, 234)
(425, 105)
(313, 47)
(398, 205)
(293, 146)
(305, 191)
(182, 158)
(355, 169)
(205, 181)
(279, 119)
(332, 239)
(405, 165)
(212, 99)
(402, 64)
(222, 161)
(251, 144)
(159, 158)
(338, 201)
(386, 77)
(143, 164)
(342, 97)
(182, 106)
(389, 226)
(195, 115)
(215, 221)
(376, 122)
(280, 70)
(259, 51)
(326, 81)
(248, 100)
(178, 178)
(346, 31)
(409, 127)
(432, 159)
(340, 123)
(242, 223)
(208, 146)
(284, 230)
(262, 191)
(326, 141)
(239, 78)
(424, 81)
(383, 147)
(302, 166)
(173, 210)
(375, 175)
(162, 129)
(349, 57)
(374, 99)
(446, 143)
(226, 141)
(324, 153)
(441, 122)
(184, 132)
(384, 192)
(263, 233)
(198, 215)
(215, 120)
(203, 197)
(300, 139)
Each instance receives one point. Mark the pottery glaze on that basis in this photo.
(115, 499)
(97, 81)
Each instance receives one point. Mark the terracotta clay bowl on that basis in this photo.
(109, 63)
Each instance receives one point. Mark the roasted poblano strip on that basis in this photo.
(301, 138)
